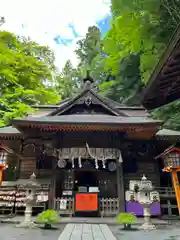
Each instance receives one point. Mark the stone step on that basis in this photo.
(86, 232)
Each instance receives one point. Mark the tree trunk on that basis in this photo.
(127, 226)
(47, 226)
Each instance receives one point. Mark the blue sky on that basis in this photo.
(56, 23)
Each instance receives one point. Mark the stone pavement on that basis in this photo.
(86, 232)
(170, 232)
(10, 232)
(74, 220)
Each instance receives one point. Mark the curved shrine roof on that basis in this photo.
(164, 84)
(87, 108)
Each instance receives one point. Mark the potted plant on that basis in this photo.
(127, 219)
(47, 218)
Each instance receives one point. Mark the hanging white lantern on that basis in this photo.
(112, 166)
(62, 163)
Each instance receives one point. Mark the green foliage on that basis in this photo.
(89, 47)
(90, 54)
(121, 63)
(25, 74)
(48, 217)
(126, 218)
(140, 28)
(133, 32)
(68, 81)
(169, 114)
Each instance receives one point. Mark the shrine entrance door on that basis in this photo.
(86, 188)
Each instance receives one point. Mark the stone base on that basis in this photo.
(27, 225)
(147, 227)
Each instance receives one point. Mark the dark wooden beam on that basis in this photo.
(120, 186)
(172, 71)
(171, 55)
(52, 190)
(164, 80)
(171, 62)
(170, 89)
(159, 101)
(176, 54)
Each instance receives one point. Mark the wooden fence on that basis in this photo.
(108, 206)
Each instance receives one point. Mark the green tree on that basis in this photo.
(140, 28)
(68, 81)
(89, 47)
(90, 54)
(25, 74)
(169, 114)
(126, 87)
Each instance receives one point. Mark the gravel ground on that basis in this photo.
(10, 232)
(162, 233)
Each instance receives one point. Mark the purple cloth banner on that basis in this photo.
(137, 209)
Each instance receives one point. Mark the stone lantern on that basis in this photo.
(144, 198)
(30, 200)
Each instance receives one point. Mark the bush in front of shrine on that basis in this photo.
(127, 219)
(48, 218)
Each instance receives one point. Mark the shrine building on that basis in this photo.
(85, 152)
(164, 84)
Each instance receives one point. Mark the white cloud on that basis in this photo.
(44, 20)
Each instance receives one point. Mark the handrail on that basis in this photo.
(165, 190)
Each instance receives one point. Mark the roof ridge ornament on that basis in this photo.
(88, 81)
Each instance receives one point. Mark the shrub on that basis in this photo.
(48, 217)
(127, 219)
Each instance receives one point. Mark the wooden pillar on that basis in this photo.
(120, 186)
(176, 187)
(18, 167)
(52, 190)
(73, 187)
(1, 174)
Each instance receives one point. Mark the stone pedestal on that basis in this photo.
(27, 222)
(147, 225)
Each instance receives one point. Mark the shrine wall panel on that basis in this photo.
(28, 166)
(107, 184)
(44, 173)
(149, 168)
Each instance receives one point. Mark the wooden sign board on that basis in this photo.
(86, 202)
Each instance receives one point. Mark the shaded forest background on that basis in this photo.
(121, 63)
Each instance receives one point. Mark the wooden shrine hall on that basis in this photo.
(164, 84)
(84, 152)
(164, 88)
